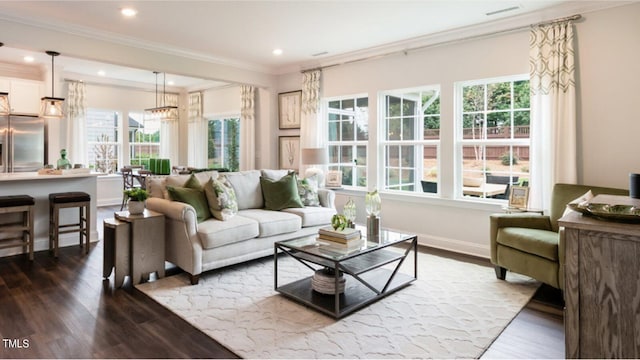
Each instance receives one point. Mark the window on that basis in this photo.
(223, 143)
(411, 139)
(347, 138)
(144, 139)
(103, 140)
(493, 138)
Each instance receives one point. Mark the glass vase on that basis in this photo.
(373, 203)
(349, 212)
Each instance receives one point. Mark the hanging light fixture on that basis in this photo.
(4, 99)
(52, 107)
(163, 112)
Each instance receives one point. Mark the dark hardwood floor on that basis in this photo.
(63, 309)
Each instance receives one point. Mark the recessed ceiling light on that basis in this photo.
(128, 12)
(277, 52)
(28, 59)
(102, 73)
(170, 82)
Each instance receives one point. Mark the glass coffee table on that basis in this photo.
(363, 273)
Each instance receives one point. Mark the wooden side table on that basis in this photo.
(512, 210)
(116, 250)
(146, 245)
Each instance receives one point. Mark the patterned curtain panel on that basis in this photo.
(553, 110)
(169, 133)
(197, 132)
(76, 128)
(247, 127)
(310, 129)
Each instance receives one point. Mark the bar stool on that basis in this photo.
(24, 205)
(72, 199)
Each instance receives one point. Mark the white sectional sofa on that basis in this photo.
(250, 234)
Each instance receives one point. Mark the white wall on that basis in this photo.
(608, 74)
(608, 96)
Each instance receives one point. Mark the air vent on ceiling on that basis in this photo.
(320, 53)
(502, 10)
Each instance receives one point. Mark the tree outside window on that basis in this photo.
(494, 128)
(103, 140)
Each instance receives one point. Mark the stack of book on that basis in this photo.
(347, 236)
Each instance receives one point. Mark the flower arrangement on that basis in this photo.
(137, 194)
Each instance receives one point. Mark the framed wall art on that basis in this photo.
(519, 197)
(289, 106)
(289, 153)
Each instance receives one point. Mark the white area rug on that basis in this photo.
(454, 310)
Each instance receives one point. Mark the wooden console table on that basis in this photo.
(602, 286)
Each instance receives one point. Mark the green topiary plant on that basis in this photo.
(137, 194)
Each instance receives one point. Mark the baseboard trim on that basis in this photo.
(454, 245)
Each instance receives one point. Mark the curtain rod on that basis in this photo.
(446, 42)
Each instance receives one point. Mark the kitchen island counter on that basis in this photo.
(20, 176)
(39, 187)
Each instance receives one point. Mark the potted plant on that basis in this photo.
(135, 200)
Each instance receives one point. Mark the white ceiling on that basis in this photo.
(244, 33)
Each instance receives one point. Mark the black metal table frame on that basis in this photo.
(339, 267)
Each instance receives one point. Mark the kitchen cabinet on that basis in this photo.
(24, 95)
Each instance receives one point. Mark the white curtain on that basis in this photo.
(169, 132)
(553, 110)
(247, 127)
(310, 125)
(76, 128)
(197, 132)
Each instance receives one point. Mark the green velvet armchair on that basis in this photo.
(532, 244)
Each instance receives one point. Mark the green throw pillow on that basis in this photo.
(193, 197)
(193, 183)
(281, 194)
(221, 198)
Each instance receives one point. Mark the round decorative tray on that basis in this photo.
(621, 213)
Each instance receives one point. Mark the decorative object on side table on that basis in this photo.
(373, 206)
(519, 197)
(135, 200)
(349, 212)
(634, 185)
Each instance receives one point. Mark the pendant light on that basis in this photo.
(4, 99)
(162, 112)
(52, 107)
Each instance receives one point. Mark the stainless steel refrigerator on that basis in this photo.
(22, 143)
